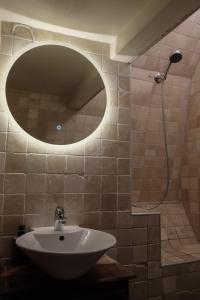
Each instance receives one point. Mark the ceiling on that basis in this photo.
(129, 26)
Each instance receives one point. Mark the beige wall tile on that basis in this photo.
(56, 164)
(14, 183)
(13, 205)
(52, 201)
(3, 141)
(92, 220)
(36, 163)
(124, 255)
(124, 202)
(17, 142)
(74, 203)
(108, 220)
(92, 202)
(35, 204)
(55, 183)
(109, 184)
(2, 162)
(93, 165)
(10, 224)
(35, 183)
(109, 166)
(3, 121)
(74, 184)
(15, 163)
(75, 165)
(92, 184)
(109, 202)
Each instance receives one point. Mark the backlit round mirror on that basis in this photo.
(56, 94)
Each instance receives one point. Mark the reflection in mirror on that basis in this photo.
(56, 94)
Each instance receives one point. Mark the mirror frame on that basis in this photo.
(87, 55)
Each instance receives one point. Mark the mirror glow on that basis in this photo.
(55, 94)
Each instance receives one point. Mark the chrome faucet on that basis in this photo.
(59, 218)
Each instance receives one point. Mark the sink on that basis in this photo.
(65, 254)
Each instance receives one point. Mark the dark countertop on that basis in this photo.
(28, 277)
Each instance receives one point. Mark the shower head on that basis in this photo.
(175, 57)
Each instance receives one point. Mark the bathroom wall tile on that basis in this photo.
(124, 184)
(35, 183)
(75, 165)
(10, 224)
(139, 236)
(2, 141)
(93, 165)
(74, 203)
(52, 201)
(124, 220)
(5, 247)
(154, 252)
(74, 184)
(15, 163)
(56, 164)
(109, 184)
(35, 220)
(140, 254)
(92, 220)
(92, 184)
(109, 166)
(35, 204)
(2, 162)
(123, 132)
(74, 219)
(34, 148)
(124, 116)
(123, 166)
(109, 132)
(108, 220)
(169, 285)
(3, 121)
(36, 163)
(155, 287)
(139, 290)
(154, 270)
(154, 234)
(92, 202)
(109, 148)
(55, 183)
(124, 237)
(14, 183)
(93, 147)
(124, 149)
(17, 142)
(1, 183)
(124, 202)
(124, 255)
(13, 204)
(109, 202)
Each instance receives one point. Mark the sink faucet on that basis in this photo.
(59, 218)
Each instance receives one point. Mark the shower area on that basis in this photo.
(165, 139)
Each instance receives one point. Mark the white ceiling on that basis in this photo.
(129, 26)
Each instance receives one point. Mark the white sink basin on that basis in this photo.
(65, 254)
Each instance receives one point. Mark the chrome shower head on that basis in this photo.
(175, 57)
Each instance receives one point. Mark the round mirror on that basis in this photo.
(56, 94)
